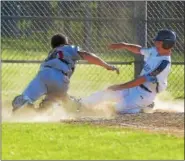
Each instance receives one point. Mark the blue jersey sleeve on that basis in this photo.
(160, 68)
(151, 77)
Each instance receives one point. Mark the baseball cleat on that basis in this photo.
(19, 102)
(151, 105)
(149, 108)
(72, 104)
(77, 102)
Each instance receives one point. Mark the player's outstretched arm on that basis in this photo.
(130, 47)
(92, 58)
(136, 82)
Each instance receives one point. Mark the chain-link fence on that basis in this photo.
(27, 26)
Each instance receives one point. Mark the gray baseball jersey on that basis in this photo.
(63, 58)
(54, 73)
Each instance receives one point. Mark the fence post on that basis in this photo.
(140, 17)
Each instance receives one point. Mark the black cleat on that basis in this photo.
(18, 103)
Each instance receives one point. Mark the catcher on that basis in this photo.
(133, 96)
(53, 78)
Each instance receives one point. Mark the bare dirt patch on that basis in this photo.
(170, 123)
(166, 117)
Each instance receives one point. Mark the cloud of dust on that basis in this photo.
(103, 110)
(55, 114)
(166, 103)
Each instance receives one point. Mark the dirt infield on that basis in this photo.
(163, 122)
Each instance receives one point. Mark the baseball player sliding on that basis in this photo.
(133, 96)
(54, 75)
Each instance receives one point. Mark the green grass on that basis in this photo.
(66, 141)
(176, 81)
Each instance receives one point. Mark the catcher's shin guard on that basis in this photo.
(19, 102)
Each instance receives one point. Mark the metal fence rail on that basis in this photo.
(27, 26)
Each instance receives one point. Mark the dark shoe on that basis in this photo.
(19, 102)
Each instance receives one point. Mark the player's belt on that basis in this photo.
(145, 88)
(57, 69)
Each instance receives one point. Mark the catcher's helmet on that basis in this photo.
(168, 37)
(58, 39)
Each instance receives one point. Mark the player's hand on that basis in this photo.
(113, 68)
